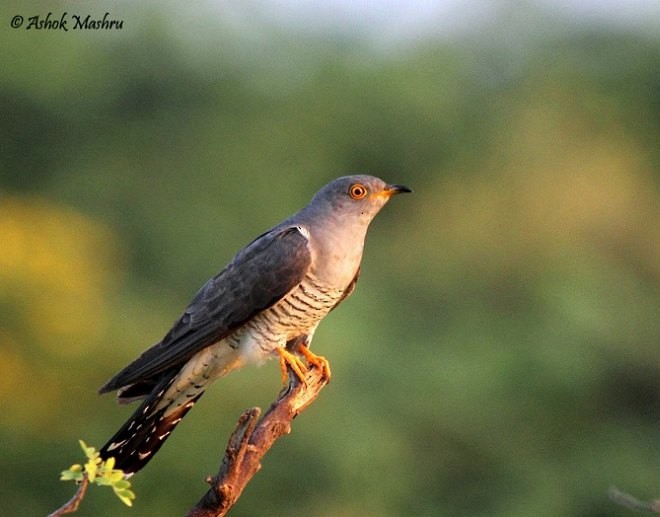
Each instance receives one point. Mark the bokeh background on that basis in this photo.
(501, 354)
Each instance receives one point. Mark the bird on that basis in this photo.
(266, 303)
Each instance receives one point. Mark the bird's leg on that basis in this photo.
(317, 360)
(287, 358)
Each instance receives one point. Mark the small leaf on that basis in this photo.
(91, 469)
(90, 452)
(68, 475)
(126, 500)
(122, 484)
(101, 473)
(125, 496)
(102, 481)
(74, 472)
(115, 477)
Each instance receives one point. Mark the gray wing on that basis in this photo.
(258, 276)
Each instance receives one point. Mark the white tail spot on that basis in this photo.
(113, 446)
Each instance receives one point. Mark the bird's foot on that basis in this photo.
(299, 368)
(296, 364)
(317, 360)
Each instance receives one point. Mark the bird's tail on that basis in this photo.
(147, 429)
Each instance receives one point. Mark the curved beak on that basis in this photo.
(389, 191)
(396, 189)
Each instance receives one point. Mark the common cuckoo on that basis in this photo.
(267, 302)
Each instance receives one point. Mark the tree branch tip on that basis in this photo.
(632, 503)
(72, 504)
(250, 414)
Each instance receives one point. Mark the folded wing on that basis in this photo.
(258, 276)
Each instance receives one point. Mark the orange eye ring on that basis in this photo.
(357, 191)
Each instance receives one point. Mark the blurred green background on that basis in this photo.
(501, 354)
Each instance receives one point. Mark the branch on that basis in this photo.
(633, 503)
(72, 504)
(252, 439)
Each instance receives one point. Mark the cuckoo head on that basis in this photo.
(358, 197)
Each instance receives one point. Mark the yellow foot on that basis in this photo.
(287, 358)
(317, 360)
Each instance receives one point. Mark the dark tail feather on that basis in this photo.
(145, 432)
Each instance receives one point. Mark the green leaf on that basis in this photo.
(102, 481)
(115, 476)
(74, 472)
(125, 496)
(110, 463)
(101, 473)
(89, 451)
(122, 485)
(68, 475)
(91, 468)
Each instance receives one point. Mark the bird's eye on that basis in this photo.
(357, 191)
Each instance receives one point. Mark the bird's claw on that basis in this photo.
(317, 360)
(298, 367)
(289, 359)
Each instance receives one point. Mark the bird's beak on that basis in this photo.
(391, 190)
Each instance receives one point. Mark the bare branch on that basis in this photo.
(72, 504)
(633, 503)
(252, 438)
